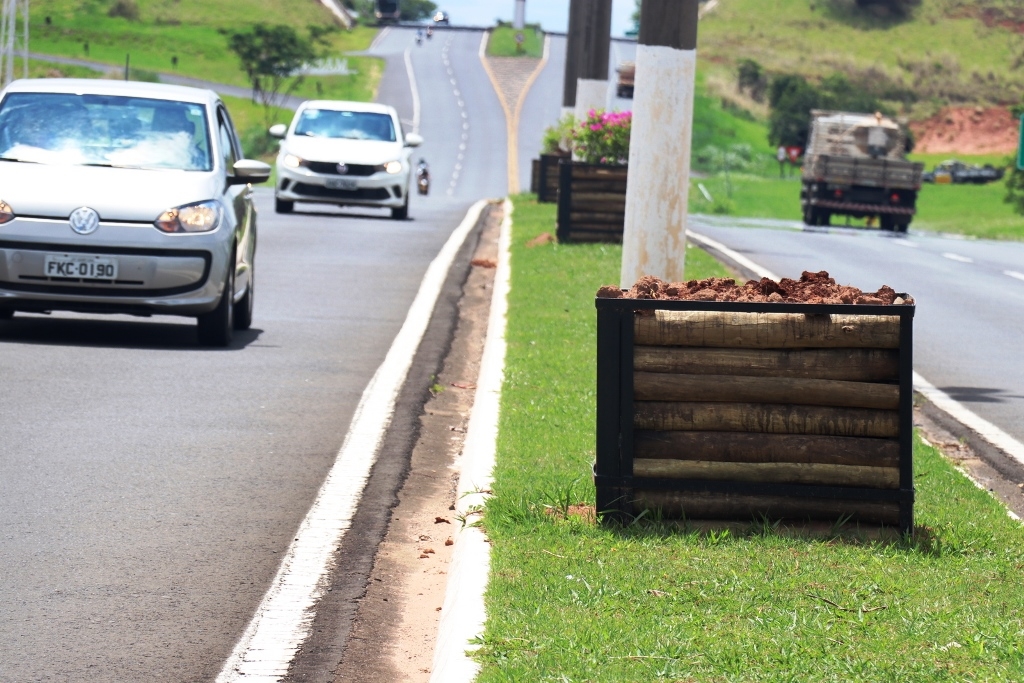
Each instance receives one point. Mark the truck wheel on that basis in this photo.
(886, 223)
(903, 227)
(824, 218)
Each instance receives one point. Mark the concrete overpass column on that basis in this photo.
(592, 86)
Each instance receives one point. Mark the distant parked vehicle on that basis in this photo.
(441, 18)
(856, 166)
(627, 75)
(956, 172)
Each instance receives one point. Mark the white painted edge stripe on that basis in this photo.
(284, 618)
(1014, 274)
(985, 429)
(416, 112)
(463, 614)
(734, 255)
(380, 38)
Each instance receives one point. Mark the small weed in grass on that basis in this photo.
(570, 600)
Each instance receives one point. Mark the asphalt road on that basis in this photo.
(970, 293)
(148, 486)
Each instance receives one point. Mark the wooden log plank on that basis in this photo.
(614, 208)
(774, 472)
(767, 419)
(594, 236)
(586, 195)
(761, 448)
(720, 329)
(596, 218)
(610, 186)
(700, 505)
(586, 172)
(659, 386)
(852, 365)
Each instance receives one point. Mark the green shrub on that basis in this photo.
(125, 9)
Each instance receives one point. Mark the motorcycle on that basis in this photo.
(430, 32)
(419, 37)
(423, 177)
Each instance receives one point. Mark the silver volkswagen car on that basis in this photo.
(123, 197)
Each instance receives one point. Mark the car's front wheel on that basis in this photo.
(216, 328)
(243, 309)
(283, 206)
(402, 212)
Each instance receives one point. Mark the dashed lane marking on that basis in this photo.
(957, 257)
(1014, 274)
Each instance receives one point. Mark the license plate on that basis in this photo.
(80, 267)
(342, 184)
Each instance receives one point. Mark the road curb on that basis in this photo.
(463, 613)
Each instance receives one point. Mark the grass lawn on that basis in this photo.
(571, 601)
(189, 30)
(503, 43)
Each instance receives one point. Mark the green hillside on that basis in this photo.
(945, 52)
(154, 33)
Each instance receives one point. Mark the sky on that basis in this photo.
(553, 15)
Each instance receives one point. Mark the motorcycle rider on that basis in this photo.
(423, 177)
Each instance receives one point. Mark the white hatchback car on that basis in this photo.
(344, 153)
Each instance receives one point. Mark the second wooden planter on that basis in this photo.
(711, 410)
(591, 202)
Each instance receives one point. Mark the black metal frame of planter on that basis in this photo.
(602, 224)
(613, 469)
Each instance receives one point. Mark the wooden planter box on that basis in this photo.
(547, 178)
(737, 411)
(534, 176)
(591, 202)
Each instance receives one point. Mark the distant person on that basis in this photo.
(781, 156)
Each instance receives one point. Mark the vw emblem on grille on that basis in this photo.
(342, 169)
(84, 220)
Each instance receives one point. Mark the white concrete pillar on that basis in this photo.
(590, 94)
(657, 196)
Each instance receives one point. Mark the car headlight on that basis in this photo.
(393, 167)
(292, 161)
(198, 217)
(6, 212)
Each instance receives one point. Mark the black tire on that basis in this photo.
(243, 309)
(217, 327)
(6, 313)
(283, 206)
(886, 223)
(809, 216)
(903, 227)
(402, 212)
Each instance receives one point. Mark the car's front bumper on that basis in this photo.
(380, 189)
(156, 273)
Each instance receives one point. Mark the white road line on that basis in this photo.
(958, 258)
(1014, 274)
(463, 613)
(985, 429)
(905, 243)
(735, 256)
(380, 38)
(284, 618)
(415, 91)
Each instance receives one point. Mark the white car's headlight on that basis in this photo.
(292, 161)
(198, 217)
(6, 212)
(393, 167)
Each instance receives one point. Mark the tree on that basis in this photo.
(791, 98)
(415, 10)
(896, 8)
(271, 55)
(752, 78)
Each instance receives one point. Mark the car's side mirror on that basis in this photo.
(249, 171)
(413, 140)
(278, 130)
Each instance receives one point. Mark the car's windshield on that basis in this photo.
(102, 130)
(351, 125)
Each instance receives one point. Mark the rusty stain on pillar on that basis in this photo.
(654, 240)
